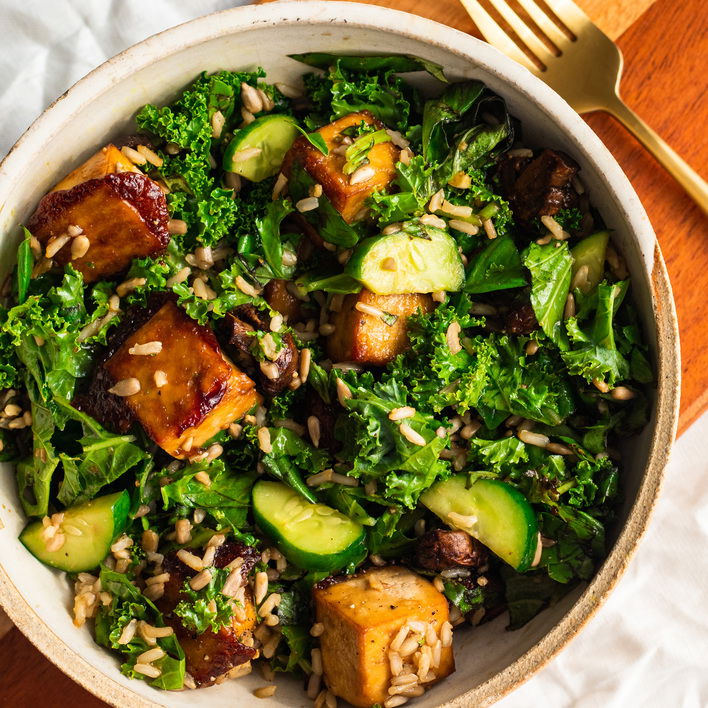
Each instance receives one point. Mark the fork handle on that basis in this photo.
(687, 177)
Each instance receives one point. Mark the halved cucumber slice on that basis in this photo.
(273, 135)
(491, 511)
(312, 536)
(88, 529)
(591, 252)
(405, 263)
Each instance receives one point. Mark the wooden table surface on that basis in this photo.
(664, 43)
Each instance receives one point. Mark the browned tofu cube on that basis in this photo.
(202, 392)
(348, 199)
(366, 338)
(124, 216)
(106, 161)
(364, 616)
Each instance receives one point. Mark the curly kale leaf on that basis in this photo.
(344, 89)
(491, 373)
(594, 354)
(207, 608)
(380, 451)
(196, 195)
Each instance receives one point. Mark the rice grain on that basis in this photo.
(251, 98)
(200, 580)
(411, 435)
(401, 413)
(535, 439)
(307, 204)
(452, 337)
(361, 174)
(79, 247)
(55, 244)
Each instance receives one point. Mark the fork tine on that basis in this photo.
(526, 35)
(495, 35)
(545, 23)
(569, 14)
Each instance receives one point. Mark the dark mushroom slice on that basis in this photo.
(441, 549)
(539, 187)
(240, 326)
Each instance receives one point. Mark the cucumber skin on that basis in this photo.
(357, 267)
(31, 540)
(458, 485)
(329, 562)
(241, 137)
(587, 252)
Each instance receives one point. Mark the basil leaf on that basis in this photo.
(550, 267)
(315, 139)
(497, 267)
(398, 63)
(269, 230)
(449, 107)
(25, 262)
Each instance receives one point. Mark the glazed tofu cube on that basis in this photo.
(198, 392)
(326, 170)
(123, 216)
(364, 616)
(106, 161)
(367, 338)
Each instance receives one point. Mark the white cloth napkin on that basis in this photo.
(648, 645)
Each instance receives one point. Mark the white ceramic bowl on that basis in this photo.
(490, 661)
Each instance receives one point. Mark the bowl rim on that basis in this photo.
(328, 12)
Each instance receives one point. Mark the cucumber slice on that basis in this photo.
(590, 252)
(272, 135)
(312, 536)
(491, 511)
(89, 529)
(405, 263)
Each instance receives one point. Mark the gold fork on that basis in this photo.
(586, 71)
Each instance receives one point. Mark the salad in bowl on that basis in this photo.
(313, 378)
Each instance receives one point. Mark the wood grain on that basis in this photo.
(665, 82)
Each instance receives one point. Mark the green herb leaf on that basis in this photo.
(550, 267)
(269, 231)
(315, 139)
(226, 499)
(399, 63)
(448, 108)
(497, 267)
(103, 459)
(25, 263)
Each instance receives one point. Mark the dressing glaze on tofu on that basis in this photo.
(124, 216)
(366, 338)
(348, 199)
(204, 392)
(108, 160)
(362, 616)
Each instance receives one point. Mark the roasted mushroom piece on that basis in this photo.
(441, 549)
(538, 187)
(274, 375)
